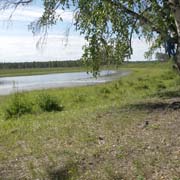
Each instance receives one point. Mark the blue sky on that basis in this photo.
(17, 44)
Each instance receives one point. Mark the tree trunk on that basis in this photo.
(177, 58)
(175, 5)
(177, 20)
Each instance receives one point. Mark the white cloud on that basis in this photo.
(30, 13)
(139, 48)
(25, 14)
(18, 48)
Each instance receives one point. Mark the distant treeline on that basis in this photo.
(48, 64)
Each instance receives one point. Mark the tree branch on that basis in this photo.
(23, 2)
(134, 14)
(5, 4)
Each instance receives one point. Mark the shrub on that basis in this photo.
(49, 103)
(18, 105)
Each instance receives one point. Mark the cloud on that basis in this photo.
(23, 48)
(21, 14)
(29, 14)
(20, 49)
(140, 46)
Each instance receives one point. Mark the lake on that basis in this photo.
(10, 85)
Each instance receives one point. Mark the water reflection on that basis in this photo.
(24, 83)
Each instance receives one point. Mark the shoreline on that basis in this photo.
(13, 85)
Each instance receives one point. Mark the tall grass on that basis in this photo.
(17, 106)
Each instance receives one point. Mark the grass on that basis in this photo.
(101, 133)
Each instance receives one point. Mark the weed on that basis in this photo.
(49, 103)
(18, 106)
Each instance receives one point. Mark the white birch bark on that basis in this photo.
(175, 6)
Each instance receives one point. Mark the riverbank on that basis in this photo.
(126, 129)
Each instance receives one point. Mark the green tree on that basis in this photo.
(108, 25)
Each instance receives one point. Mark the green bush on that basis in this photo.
(49, 103)
(18, 105)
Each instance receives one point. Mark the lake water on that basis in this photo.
(9, 85)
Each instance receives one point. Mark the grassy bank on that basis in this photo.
(126, 129)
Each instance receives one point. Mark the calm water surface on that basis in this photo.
(9, 85)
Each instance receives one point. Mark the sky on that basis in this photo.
(17, 43)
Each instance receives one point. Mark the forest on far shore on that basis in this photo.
(38, 64)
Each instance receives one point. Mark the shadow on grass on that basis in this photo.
(173, 104)
(65, 172)
(168, 94)
(150, 106)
